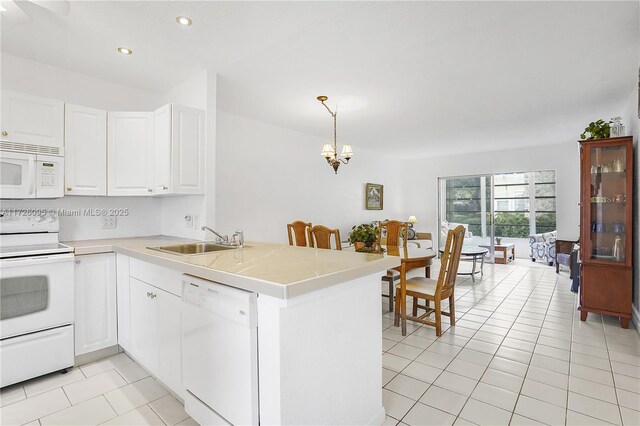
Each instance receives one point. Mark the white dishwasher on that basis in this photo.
(219, 353)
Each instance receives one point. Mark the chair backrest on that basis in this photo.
(299, 229)
(394, 231)
(450, 260)
(320, 237)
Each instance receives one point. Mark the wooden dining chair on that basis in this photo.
(394, 231)
(320, 237)
(431, 290)
(299, 230)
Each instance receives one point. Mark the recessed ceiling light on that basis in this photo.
(183, 20)
(125, 51)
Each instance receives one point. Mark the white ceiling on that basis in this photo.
(410, 78)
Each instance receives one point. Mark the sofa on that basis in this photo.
(543, 247)
(446, 226)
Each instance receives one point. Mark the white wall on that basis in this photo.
(143, 218)
(269, 176)
(421, 199)
(631, 120)
(43, 80)
(27, 76)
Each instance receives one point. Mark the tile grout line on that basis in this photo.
(499, 346)
(613, 377)
(513, 411)
(443, 370)
(483, 323)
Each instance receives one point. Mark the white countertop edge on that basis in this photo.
(278, 290)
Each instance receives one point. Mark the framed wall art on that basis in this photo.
(374, 195)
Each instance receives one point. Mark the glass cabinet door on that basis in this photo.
(608, 233)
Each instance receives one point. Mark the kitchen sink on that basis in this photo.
(193, 248)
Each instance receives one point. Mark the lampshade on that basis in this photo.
(327, 150)
(412, 219)
(347, 151)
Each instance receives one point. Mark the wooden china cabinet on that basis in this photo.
(606, 237)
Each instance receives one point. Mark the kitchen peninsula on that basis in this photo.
(318, 352)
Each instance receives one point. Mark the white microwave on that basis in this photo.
(28, 175)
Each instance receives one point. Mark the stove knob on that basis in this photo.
(38, 218)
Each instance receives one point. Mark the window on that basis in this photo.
(512, 205)
(523, 203)
(545, 201)
(464, 198)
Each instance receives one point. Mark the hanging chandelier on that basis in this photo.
(330, 153)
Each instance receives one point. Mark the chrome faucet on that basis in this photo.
(239, 234)
(221, 238)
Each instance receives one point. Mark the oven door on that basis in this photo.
(36, 293)
(17, 175)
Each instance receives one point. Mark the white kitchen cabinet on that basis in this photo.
(95, 303)
(32, 120)
(162, 146)
(85, 151)
(122, 297)
(179, 150)
(130, 153)
(155, 332)
(170, 341)
(144, 323)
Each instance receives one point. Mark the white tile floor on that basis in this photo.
(112, 391)
(518, 355)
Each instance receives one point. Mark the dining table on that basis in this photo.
(410, 257)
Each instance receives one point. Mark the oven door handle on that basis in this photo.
(36, 260)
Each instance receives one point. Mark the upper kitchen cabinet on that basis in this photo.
(179, 150)
(31, 120)
(131, 159)
(85, 151)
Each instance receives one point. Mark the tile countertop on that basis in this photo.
(274, 269)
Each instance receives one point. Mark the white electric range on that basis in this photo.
(36, 298)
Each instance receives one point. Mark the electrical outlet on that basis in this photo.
(188, 221)
(108, 222)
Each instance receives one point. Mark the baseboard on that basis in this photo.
(635, 318)
(97, 355)
(378, 418)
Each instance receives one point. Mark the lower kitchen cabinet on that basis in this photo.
(95, 303)
(122, 295)
(155, 338)
(170, 341)
(144, 325)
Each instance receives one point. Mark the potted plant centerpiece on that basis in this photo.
(498, 234)
(364, 237)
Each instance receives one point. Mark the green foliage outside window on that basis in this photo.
(463, 203)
